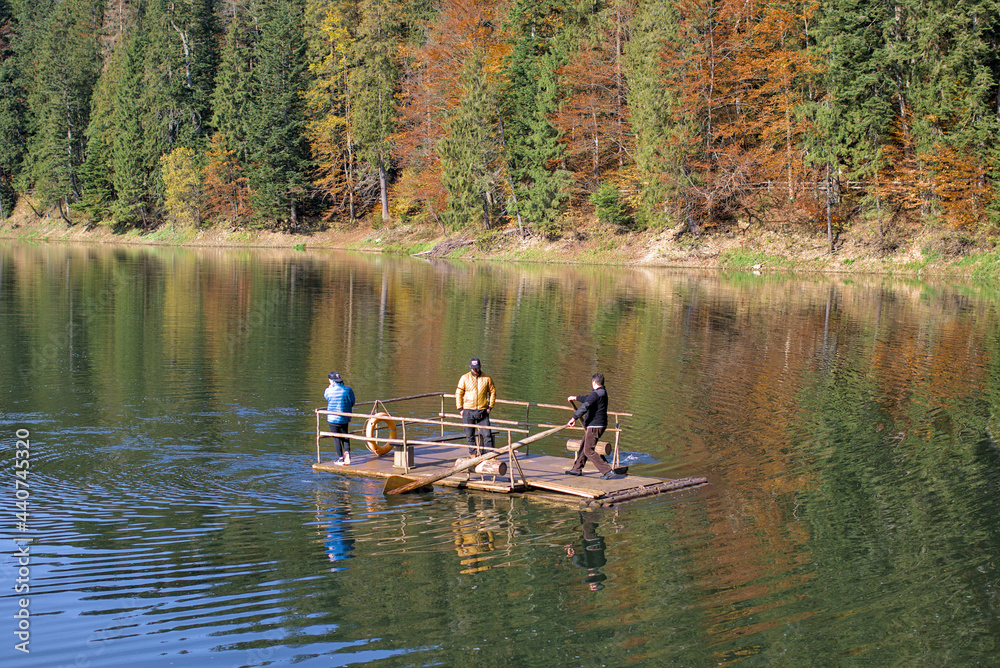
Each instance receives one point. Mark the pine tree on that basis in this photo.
(59, 78)
(13, 115)
(374, 81)
(278, 159)
(650, 104)
(528, 103)
(130, 174)
(178, 71)
(470, 151)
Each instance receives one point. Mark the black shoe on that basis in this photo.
(572, 472)
(609, 475)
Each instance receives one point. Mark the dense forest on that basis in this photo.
(480, 114)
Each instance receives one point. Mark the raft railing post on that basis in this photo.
(527, 415)
(406, 448)
(317, 436)
(510, 459)
(618, 431)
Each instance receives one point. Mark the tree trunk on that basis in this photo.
(62, 215)
(829, 215)
(486, 212)
(513, 193)
(383, 191)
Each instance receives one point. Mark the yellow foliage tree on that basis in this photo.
(182, 186)
(329, 107)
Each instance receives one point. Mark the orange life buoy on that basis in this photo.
(372, 427)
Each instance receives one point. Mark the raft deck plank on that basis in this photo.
(541, 472)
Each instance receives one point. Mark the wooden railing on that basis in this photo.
(403, 444)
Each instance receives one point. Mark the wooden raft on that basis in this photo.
(415, 454)
(541, 472)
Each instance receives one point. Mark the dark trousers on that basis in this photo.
(588, 452)
(343, 444)
(477, 417)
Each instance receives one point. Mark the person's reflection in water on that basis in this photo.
(339, 544)
(474, 541)
(590, 554)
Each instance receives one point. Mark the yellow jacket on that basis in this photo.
(475, 393)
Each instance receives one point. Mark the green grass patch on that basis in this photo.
(168, 236)
(982, 266)
(742, 259)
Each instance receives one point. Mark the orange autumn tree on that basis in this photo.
(225, 191)
(431, 92)
(776, 58)
(959, 184)
(593, 117)
(736, 71)
(709, 164)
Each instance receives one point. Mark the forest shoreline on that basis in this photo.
(772, 251)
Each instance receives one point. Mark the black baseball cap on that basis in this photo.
(474, 363)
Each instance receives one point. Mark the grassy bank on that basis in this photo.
(754, 249)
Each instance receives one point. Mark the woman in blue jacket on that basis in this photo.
(339, 397)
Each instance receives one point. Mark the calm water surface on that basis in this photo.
(847, 428)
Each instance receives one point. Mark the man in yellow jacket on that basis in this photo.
(474, 398)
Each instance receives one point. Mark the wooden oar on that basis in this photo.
(398, 484)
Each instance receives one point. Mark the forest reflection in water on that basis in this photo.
(846, 426)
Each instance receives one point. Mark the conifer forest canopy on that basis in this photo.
(475, 114)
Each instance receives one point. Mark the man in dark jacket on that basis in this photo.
(595, 407)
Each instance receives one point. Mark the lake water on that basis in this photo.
(164, 399)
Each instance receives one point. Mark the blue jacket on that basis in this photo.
(339, 397)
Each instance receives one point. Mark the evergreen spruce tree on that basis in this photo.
(547, 182)
(13, 115)
(850, 126)
(129, 171)
(231, 96)
(470, 151)
(97, 189)
(649, 103)
(949, 56)
(529, 98)
(374, 80)
(277, 151)
(178, 71)
(62, 38)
